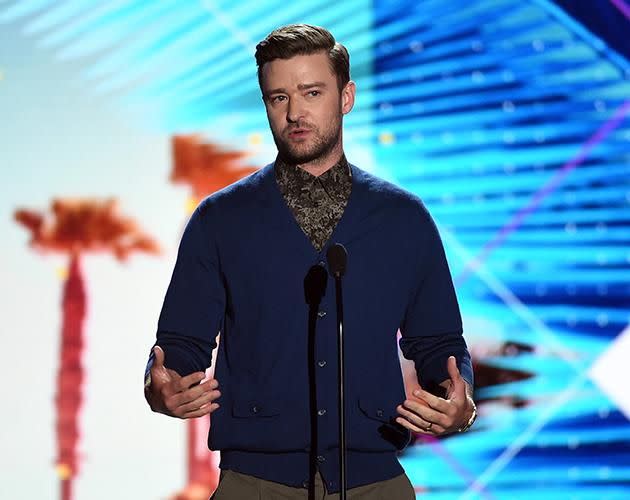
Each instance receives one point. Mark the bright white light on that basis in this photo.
(608, 372)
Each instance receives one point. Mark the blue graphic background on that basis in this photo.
(510, 120)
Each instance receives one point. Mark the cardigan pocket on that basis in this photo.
(389, 431)
(376, 410)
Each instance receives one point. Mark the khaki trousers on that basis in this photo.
(237, 486)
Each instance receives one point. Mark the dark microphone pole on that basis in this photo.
(337, 258)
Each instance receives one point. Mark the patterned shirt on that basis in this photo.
(317, 202)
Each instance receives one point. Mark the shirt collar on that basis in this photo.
(293, 180)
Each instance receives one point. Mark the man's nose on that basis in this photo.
(295, 111)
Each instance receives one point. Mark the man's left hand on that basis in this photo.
(429, 414)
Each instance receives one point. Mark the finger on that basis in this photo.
(158, 354)
(433, 401)
(186, 382)
(157, 367)
(212, 383)
(176, 386)
(187, 396)
(192, 395)
(414, 428)
(453, 371)
(198, 402)
(204, 410)
(412, 417)
(196, 390)
(426, 414)
(161, 377)
(458, 386)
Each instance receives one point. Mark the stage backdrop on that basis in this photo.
(508, 117)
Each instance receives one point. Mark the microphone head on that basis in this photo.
(315, 284)
(337, 257)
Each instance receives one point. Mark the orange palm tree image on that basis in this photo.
(75, 227)
(207, 169)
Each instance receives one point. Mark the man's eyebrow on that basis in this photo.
(279, 90)
(304, 86)
(301, 86)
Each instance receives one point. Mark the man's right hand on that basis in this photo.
(182, 397)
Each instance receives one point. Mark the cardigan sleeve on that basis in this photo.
(194, 305)
(432, 326)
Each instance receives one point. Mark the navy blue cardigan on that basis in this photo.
(240, 270)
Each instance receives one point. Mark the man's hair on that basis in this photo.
(304, 39)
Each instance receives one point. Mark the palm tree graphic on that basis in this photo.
(76, 227)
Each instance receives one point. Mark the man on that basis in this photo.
(241, 270)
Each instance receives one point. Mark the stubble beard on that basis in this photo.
(300, 153)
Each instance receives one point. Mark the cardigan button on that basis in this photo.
(379, 413)
(255, 409)
(305, 484)
(321, 363)
(321, 412)
(321, 459)
(321, 314)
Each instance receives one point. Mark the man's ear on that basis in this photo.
(347, 97)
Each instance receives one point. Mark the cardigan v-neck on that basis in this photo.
(316, 202)
(275, 214)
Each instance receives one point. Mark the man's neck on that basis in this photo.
(320, 165)
(317, 170)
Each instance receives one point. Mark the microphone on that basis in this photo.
(314, 290)
(315, 285)
(337, 257)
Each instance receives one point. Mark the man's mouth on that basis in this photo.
(298, 133)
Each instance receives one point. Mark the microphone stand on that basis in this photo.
(337, 257)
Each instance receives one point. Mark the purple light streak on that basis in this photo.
(623, 8)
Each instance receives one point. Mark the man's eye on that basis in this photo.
(314, 93)
(277, 98)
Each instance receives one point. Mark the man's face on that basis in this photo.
(304, 107)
